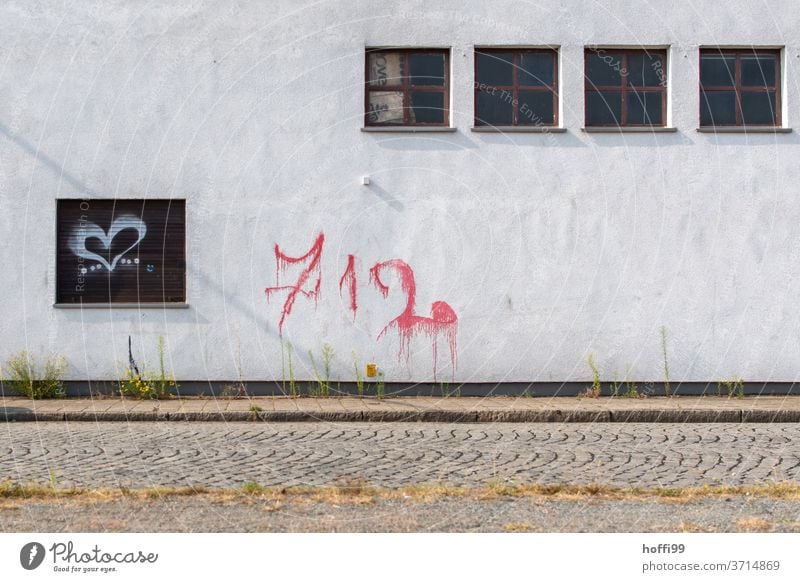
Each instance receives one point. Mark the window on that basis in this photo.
(739, 87)
(626, 88)
(516, 87)
(407, 87)
(120, 251)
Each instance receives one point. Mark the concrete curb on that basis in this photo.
(709, 415)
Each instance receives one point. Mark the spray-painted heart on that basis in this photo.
(86, 231)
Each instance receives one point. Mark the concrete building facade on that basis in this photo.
(462, 250)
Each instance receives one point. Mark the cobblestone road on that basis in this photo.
(228, 455)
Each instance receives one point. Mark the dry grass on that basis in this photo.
(753, 524)
(689, 527)
(358, 491)
(518, 527)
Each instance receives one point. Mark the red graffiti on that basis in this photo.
(349, 279)
(443, 319)
(313, 268)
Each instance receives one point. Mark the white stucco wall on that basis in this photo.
(548, 247)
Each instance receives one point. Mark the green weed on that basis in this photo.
(596, 388)
(380, 386)
(666, 363)
(359, 377)
(27, 379)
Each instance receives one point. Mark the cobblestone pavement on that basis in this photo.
(211, 454)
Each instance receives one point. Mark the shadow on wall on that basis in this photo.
(49, 163)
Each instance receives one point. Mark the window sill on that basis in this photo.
(408, 129)
(744, 130)
(629, 129)
(517, 129)
(121, 305)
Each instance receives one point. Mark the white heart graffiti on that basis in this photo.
(90, 230)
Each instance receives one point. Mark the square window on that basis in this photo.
(516, 87)
(739, 87)
(625, 88)
(121, 251)
(407, 87)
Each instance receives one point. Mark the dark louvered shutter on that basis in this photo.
(121, 251)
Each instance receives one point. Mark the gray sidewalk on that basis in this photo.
(418, 409)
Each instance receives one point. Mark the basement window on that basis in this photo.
(120, 251)
(407, 87)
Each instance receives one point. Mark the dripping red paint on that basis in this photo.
(443, 319)
(282, 262)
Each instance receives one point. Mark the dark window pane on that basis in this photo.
(603, 68)
(536, 69)
(427, 107)
(386, 69)
(718, 108)
(495, 68)
(603, 108)
(385, 107)
(494, 108)
(758, 71)
(427, 69)
(717, 70)
(646, 70)
(758, 108)
(535, 108)
(644, 108)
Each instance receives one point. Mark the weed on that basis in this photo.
(359, 377)
(253, 488)
(322, 388)
(26, 379)
(666, 364)
(616, 385)
(380, 386)
(327, 358)
(595, 389)
(444, 388)
(234, 391)
(731, 387)
(255, 408)
(292, 384)
(164, 382)
(136, 384)
(52, 480)
(631, 389)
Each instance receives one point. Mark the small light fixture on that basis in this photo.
(365, 180)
